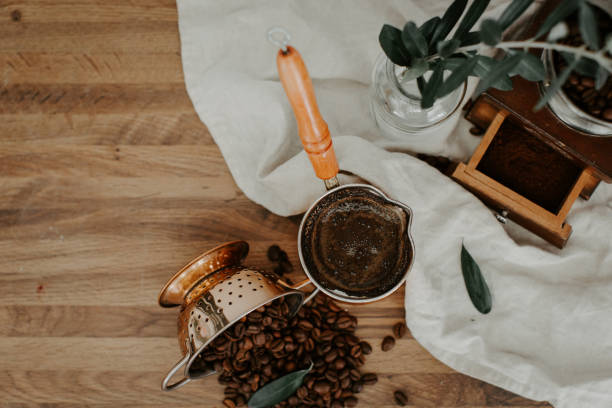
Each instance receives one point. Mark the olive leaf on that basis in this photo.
(475, 283)
(390, 39)
(428, 28)
(414, 41)
(512, 12)
(564, 9)
(471, 38)
(498, 71)
(482, 68)
(530, 68)
(490, 32)
(431, 88)
(279, 389)
(418, 68)
(447, 47)
(588, 26)
(471, 16)
(601, 77)
(449, 19)
(457, 77)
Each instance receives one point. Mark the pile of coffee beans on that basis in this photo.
(265, 345)
(580, 88)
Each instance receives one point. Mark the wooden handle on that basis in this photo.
(312, 128)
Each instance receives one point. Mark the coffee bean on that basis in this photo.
(259, 339)
(399, 330)
(322, 387)
(351, 402)
(345, 383)
(387, 343)
(274, 253)
(293, 400)
(369, 379)
(355, 374)
(229, 403)
(339, 364)
(400, 398)
(357, 387)
(241, 401)
(587, 82)
(305, 325)
(344, 322)
(365, 347)
(230, 392)
(331, 356)
(356, 351)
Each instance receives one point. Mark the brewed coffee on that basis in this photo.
(354, 243)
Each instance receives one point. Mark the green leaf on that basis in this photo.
(428, 27)
(457, 77)
(421, 84)
(564, 9)
(471, 16)
(390, 39)
(471, 38)
(431, 88)
(513, 12)
(585, 66)
(484, 66)
(447, 47)
(279, 389)
(555, 85)
(499, 70)
(588, 26)
(601, 78)
(414, 41)
(449, 19)
(531, 68)
(418, 68)
(490, 32)
(475, 283)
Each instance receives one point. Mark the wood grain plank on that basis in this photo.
(137, 37)
(129, 128)
(81, 194)
(110, 11)
(129, 354)
(94, 98)
(99, 161)
(106, 387)
(90, 68)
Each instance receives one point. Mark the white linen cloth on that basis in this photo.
(549, 334)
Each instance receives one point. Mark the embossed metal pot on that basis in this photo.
(214, 291)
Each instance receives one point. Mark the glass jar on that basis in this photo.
(561, 105)
(396, 105)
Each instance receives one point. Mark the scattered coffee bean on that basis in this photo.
(274, 253)
(399, 330)
(400, 397)
(476, 131)
(369, 379)
(388, 343)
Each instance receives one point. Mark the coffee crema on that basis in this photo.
(355, 243)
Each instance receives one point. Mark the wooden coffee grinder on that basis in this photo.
(531, 166)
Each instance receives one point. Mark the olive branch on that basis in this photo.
(427, 48)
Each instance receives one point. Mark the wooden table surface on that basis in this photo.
(109, 183)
